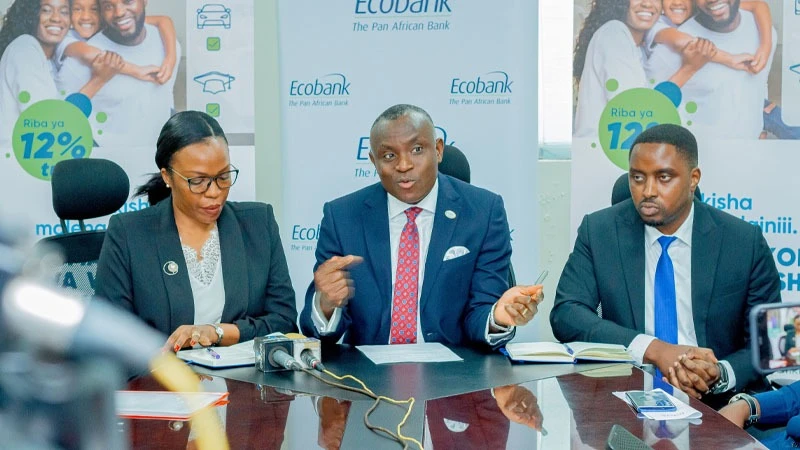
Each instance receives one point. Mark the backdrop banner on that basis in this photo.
(471, 65)
(45, 118)
(741, 105)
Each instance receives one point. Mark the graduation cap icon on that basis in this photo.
(215, 82)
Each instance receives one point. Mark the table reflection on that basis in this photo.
(576, 410)
(255, 417)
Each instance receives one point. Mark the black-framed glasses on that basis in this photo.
(199, 185)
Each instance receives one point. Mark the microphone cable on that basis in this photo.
(399, 437)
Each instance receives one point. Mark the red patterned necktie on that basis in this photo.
(404, 300)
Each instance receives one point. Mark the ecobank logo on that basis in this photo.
(326, 90)
(395, 7)
(491, 88)
(401, 16)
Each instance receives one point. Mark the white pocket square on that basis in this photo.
(455, 252)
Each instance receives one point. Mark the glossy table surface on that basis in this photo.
(536, 406)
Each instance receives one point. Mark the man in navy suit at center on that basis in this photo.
(418, 257)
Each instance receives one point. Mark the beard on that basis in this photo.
(115, 35)
(708, 22)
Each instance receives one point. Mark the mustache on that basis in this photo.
(651, 200)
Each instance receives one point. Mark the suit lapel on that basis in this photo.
(234, 265)
(706, 245)
(630, 234)
(375, 218)
(179, 290)
(441, 236)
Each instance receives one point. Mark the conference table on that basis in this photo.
(482, 402)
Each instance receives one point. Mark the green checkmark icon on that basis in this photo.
(213, 44)
(212, 109)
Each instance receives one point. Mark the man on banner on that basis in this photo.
(436, 252)
(135, 109)
(676, 278)
(730, 102)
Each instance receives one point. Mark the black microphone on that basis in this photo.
(308, 358)
(279, 357)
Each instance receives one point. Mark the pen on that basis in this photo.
(214, 354)
(541, 278)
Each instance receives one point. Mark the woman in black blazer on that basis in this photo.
(195, 266)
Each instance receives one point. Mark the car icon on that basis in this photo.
(213, 15)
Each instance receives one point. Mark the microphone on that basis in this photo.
(70, 326)
(279, 357)
(310, 360)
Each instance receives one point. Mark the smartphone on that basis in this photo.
(622, 439)
(774, 341)
(650, 401)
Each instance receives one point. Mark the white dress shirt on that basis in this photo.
(397, 220)
(680, 251)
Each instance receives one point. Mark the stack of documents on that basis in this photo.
(165, 405)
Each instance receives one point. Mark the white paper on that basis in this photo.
(403, 353)
(683, 410)
(162, 404)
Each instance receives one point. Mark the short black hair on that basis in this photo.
(397, 111)
(682, 139)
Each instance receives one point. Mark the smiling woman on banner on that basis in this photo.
(31, 31)
(609, 57)
(194, 265)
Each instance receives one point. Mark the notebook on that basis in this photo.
(241, 354)
(554, 352)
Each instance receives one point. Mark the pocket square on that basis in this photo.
(455, 252)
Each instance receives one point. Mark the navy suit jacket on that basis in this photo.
(259, 297)
(732, 271)
(456, 296)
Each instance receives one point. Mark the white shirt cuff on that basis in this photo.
(638, 346)
(324, 326)
(493, 338)
(731, 375)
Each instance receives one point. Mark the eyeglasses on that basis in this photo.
(199, 185)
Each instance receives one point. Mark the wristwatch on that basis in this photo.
(751, 403)
(220, 333)
(722, 384)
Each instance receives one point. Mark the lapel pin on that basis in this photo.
(450, 214)
(170, 268)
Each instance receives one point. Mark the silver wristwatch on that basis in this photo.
(751, 403)
(722, 384)
(220, 333)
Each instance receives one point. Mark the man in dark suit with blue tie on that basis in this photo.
(676, 278)
(435, 252)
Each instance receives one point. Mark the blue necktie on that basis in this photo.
(666, 311)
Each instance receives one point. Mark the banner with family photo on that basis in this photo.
(369, 55)
(727, 71)
(98, 79)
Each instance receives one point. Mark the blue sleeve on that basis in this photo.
(328, 246)
(490, 277)
(781, 405)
